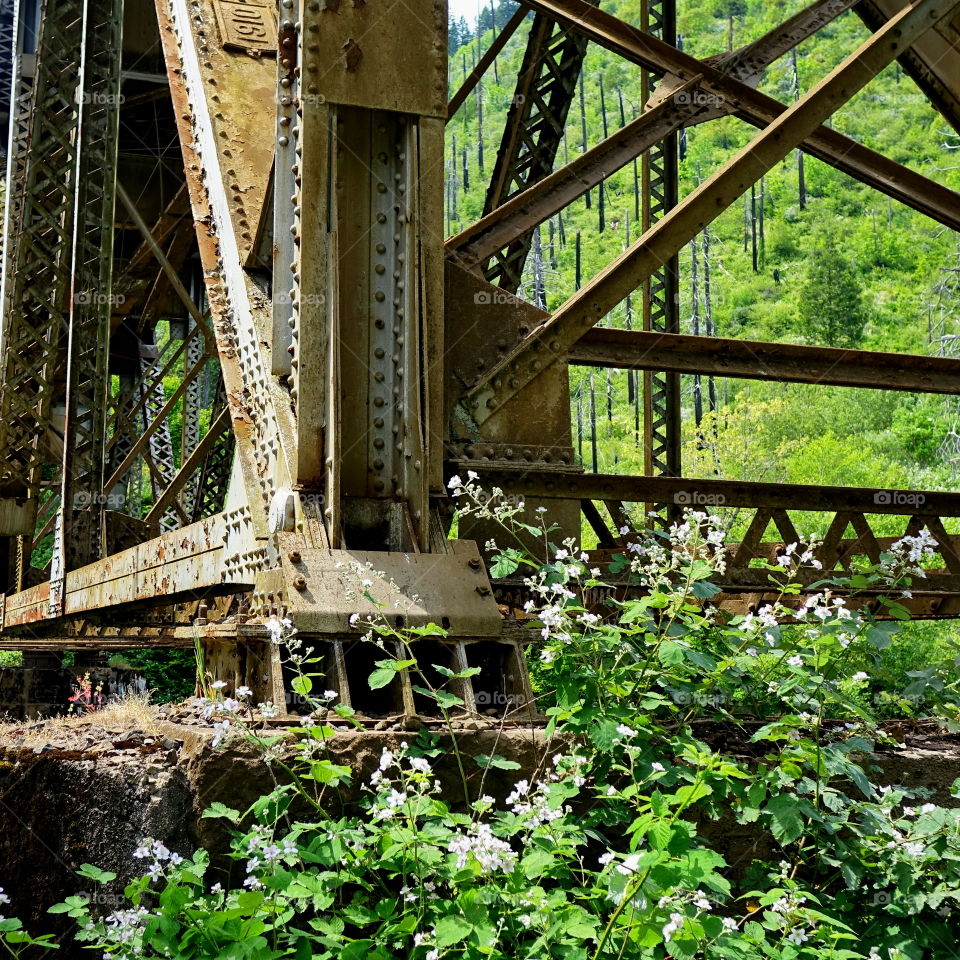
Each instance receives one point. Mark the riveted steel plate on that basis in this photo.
(379, 54)
(324, 588)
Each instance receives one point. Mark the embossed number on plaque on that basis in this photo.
(247, 25)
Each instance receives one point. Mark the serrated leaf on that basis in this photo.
(381, 677)
(787, 824)
(451, 930)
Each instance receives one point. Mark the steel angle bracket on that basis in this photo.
(321, 590)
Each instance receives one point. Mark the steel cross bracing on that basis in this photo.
(546, 84)
(240, 361)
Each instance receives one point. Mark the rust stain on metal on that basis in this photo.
(352, 54)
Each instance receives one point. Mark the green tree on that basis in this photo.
(832, 312)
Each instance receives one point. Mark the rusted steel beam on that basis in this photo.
(756, 360)
(193, 561)
(190, 466)
(872, 168)
(466, 88)
(534, 130)
(932, 62)
(675, 104)
(171, 274)
(524, 210)
(155, 423)
(595, 300)
(708, 494)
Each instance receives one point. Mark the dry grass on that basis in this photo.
(133, 712)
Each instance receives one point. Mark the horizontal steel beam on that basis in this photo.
(191, 562)
(756, 360)
(709, 494)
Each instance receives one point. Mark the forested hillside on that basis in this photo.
(810, 256)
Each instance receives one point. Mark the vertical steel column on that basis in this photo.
(661, 291)
(534, 130)
(367, 210)
(82, 494)
(38, 258)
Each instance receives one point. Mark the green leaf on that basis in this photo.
(505, 563)
(451, 930)
(217, 810)
(500, 763)
(96, 874)
(445, 700)
(302, 685)
(381, 677)
(787, 823)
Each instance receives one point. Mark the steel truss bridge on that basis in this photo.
(227, 294)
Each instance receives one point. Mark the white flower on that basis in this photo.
(676, 922)
(629, 864)
(915, 849)
(220, 730)
(218, 684)
(628, 732)
(3, 897)
(860, 676)
(454, 483)
(658, 767)
(244, 692)
(490, 852)
(330, 694)
(796, 661)
(729, 923)
(433, 955)
(525, 919)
